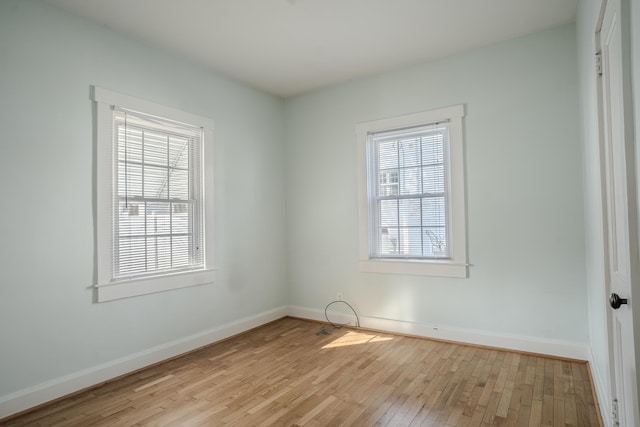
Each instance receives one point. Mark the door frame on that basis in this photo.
(634, 216)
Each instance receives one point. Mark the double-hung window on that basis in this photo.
(154, 197)
(412, 211)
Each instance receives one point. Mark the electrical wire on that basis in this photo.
(337, 325)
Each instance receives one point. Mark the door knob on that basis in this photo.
(615, 301)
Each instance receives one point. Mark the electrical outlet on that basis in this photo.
(339, 296)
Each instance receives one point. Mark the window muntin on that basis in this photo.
(408, 177)
(157, 197)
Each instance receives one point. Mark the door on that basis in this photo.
(620, 211)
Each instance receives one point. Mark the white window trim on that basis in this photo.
(456, 265)
(106, 288)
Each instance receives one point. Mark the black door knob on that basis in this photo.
(615, 301)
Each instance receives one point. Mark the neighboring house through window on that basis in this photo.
(411, 190)
(154, 197)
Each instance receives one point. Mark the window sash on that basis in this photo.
(157, 195)
(409, 203)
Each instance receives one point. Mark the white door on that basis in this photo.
(618, 172)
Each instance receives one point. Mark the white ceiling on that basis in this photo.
(287, 47)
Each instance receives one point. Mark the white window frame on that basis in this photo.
(108, 288)
(456, 265)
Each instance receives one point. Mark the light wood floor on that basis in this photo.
(286, 374)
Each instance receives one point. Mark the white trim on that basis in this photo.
(551, 347)
(58, 387)
(104, 216)
(457, 265)
(149, 285)
(602, 395)
(143, 106)
(414, 267)
(410, 120)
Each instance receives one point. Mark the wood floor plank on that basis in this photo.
(285, 374)
(535, 419)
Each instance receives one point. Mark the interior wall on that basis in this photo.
(524, 191)
(50, 325)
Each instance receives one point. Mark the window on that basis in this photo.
(411, 194)
(154, 203)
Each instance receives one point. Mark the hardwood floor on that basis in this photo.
(288, 374)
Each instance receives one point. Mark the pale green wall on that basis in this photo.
(49, 325)
(524, 191)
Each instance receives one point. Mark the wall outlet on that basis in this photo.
(339, 296)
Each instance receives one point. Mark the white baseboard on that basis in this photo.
(558, 348)
(50, 390)
(602, 394)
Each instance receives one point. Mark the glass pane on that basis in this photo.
(158, 218)
(409, 152)
(388, 155)
(129, 180)
(130, 219)
(434, 220)
(410, 212)
(435, 242)
(410, 181)
(432, 149)
(388, 184)
(178, 152)
(131, 256)
(388, 213)
(180, 251)
(433, 179)
(180, 218)
(434, 212)
(179, 184)
(410, 241)
(155, 182)
(159, 253)
(129, 144)
(155, 148)
(388, 241)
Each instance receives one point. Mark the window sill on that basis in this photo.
(415, 267)
(148, 285)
